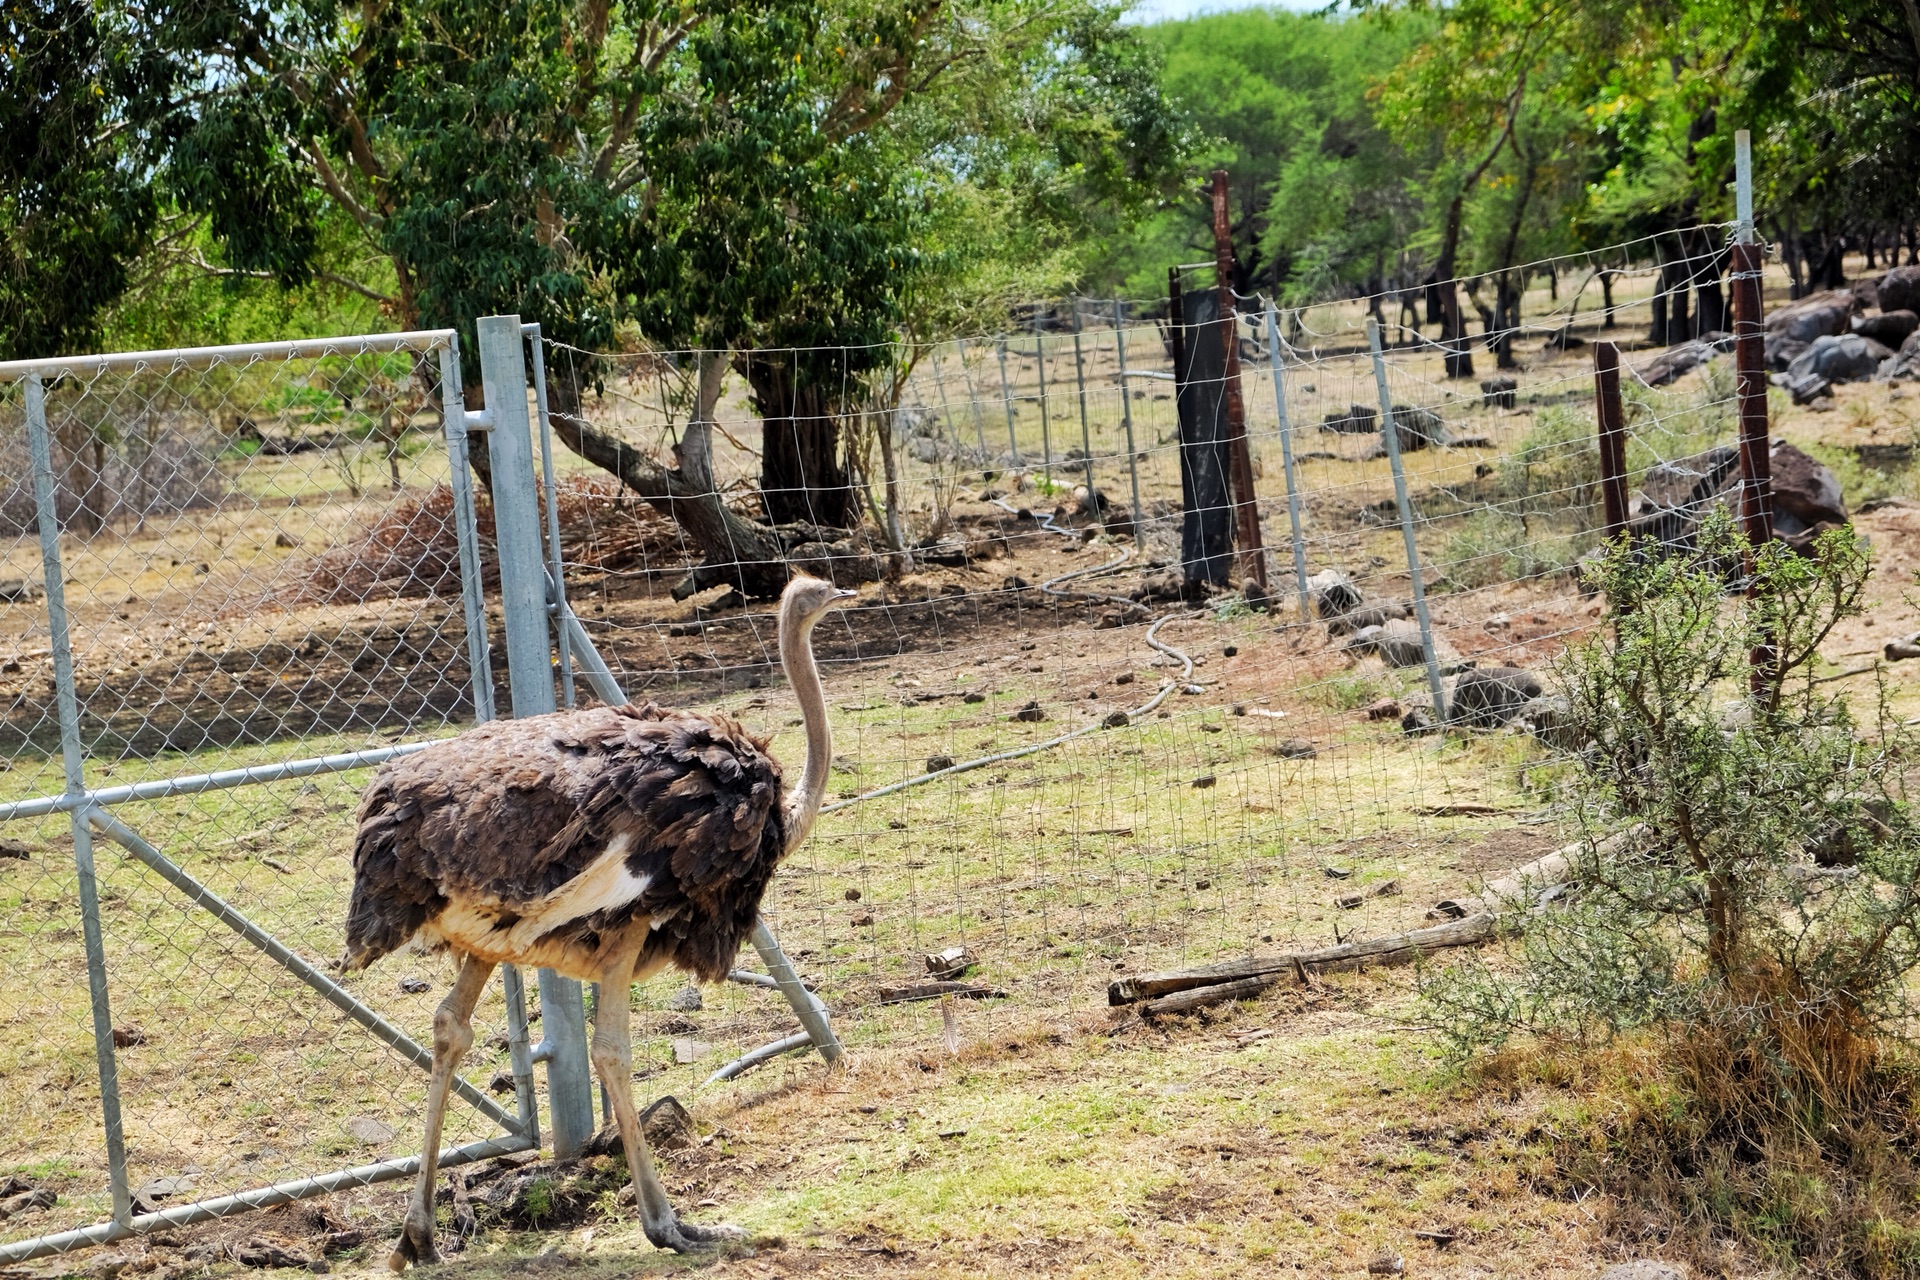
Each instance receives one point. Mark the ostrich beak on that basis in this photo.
(845, 595)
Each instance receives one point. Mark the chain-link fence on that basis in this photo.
(233, 582)
(1057, 747)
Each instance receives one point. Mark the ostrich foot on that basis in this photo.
(415, 1245)
(690, 1237)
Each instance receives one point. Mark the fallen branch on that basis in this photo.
(1210, 984)
(934, 990)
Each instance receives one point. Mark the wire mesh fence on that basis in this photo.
(258, 587)
(1053, 749)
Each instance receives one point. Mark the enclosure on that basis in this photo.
(233, 581)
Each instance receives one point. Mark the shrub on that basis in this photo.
(1746, 912)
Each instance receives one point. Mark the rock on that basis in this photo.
(1295, 749)
(1417, 720)
(415, 986)
(1489, 697)
(1643, 1269)
(1117, 720)
(14, 849)
(27, 1202)
(500, 1082)
(1033, 712)
(1806, 388)
(1815, 316)
(18, 590)
(1806, 497)
(1358, 420)
(1498, 393)
(1384, 709)
(685, 1000)
(1782, 351)
(1902, 649)
(938, 762)
(1675, 495)
(667, 1125)
(1371, 615)
(1386, 1264)
(1889, 328)
(1331, 593)
(1398, 644)
(1670, 364)
(1204, 781)
(1899, 290)
(1419, 428)
(1904, 363)
(686, 1052)
(854, 895)
(1840, 358)
(1157, 587)
(128, 1036)
(262, 1253)
(367, 1131)
(950, 964)
(1255, 595)
(848, 562)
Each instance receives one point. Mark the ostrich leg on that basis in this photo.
(613, 1059)
(452, 1037)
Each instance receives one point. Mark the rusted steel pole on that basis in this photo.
(1246, 515)
(1612, 435)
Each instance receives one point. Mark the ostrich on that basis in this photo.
(603, 844)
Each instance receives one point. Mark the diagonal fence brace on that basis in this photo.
(335, 994)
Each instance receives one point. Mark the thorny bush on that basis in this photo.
(1741, 912)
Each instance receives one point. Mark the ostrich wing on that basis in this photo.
(577, 821)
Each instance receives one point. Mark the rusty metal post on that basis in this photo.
(1612, 435)
(1246, 516)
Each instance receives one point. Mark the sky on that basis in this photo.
(1162, 10)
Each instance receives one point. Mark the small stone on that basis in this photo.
(500, 1082)
(685, 1000)
(1231, 650)
(1030, 713)
(1383, 709)
(1418, 720)
(973, 695)
(1643, 1269)
(367, 1131)
(667, 1125)
(1207, 726)
(284, 542)
(1295, 749)
(1386, 1264)
(415, 986)
(1125, 677)
(936, 763)
(862, 920)
(1203, 884)
(128, 1036)
(1117, 720)
(1238, 709)
(691, 1051)
(853, 895)
(1204, 781)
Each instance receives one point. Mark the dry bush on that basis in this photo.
(1743, 927)
(412, 548)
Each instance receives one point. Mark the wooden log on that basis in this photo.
(1263, 972)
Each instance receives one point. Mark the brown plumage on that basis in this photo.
(604, 844)
(500, 818)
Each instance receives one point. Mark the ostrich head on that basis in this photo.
(805, 601)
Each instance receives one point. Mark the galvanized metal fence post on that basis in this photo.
(1126, 420)
(72, 755)
(1046, 433)
(1006, 395)
(1391, 435)
(1086, 433)
(1286, 461)
(973, 404)
(453, 415)
(556, 574)
(523, 601)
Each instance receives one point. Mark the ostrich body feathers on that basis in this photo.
(558, 839)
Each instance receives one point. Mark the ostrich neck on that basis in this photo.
(803, 804)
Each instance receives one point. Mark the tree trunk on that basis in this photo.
(1453, 330)
(1606, 295)
(1710, 303)
(802, 477)
(738, 551)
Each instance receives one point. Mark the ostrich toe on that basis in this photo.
(415, 1246)
(682, 1236)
